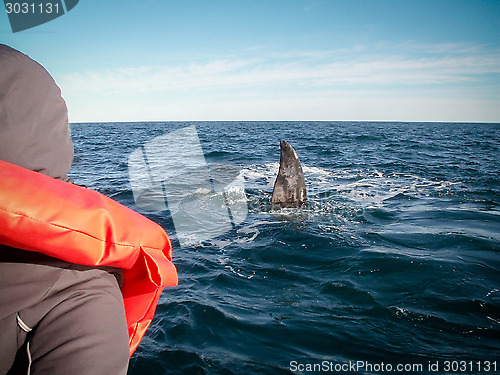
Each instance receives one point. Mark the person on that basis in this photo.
(71, 301)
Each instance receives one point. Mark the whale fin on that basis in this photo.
(289, 187)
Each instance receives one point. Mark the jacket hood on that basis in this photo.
(34, 128)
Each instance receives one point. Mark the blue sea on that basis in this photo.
(393, 266)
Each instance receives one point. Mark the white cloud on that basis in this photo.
(312, 81)
(229, 73)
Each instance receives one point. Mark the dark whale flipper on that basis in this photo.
(290, 186)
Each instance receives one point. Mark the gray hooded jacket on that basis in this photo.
(55, 317)
(34, 129)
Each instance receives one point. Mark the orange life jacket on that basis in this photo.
(78, 225)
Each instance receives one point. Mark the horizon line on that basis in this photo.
(200, 121)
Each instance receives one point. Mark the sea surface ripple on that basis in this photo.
(395, 259)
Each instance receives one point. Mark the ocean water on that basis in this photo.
(392, 266)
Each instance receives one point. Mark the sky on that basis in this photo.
(271, 60)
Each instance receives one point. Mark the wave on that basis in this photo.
(393, 259)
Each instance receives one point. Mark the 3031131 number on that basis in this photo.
(26, 14)
(470, 366)
(27, 8)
